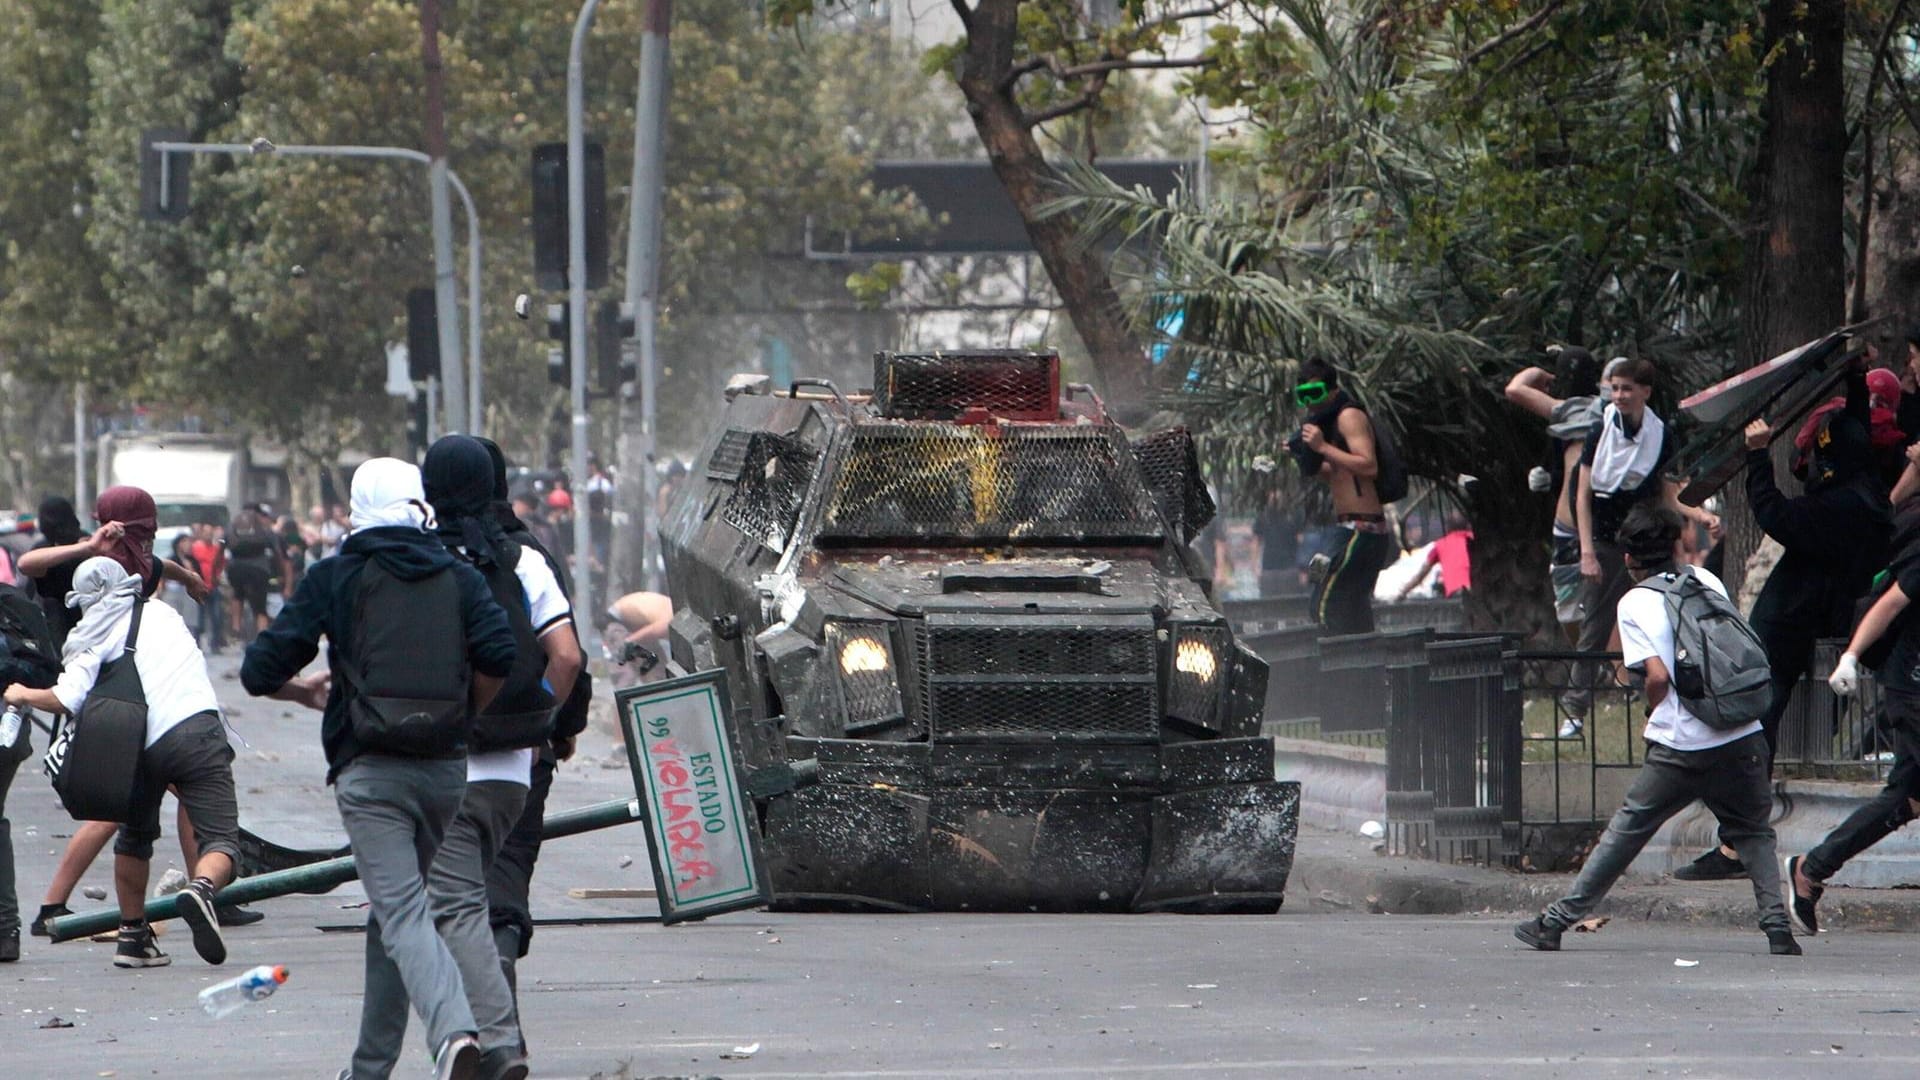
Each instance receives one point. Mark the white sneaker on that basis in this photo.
(1572, 728)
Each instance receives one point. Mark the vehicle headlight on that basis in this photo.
(864, 655)
(868, 682)
(1196, 687)
(1196, 658)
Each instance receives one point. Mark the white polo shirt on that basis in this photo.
(172, 671)
(548, 608)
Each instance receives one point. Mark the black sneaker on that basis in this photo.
(9, 947)
(194, 905)
(47, 911)
(458, 1059)
(1781, 943)
(136, 949)
(1537, 933)
(503, 1063)
(235, 915)
(1712, 866)
(1802, 908)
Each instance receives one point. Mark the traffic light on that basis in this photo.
(612, 325)
(163, 177)
(423, 336)
(560, 328)
(550, 216)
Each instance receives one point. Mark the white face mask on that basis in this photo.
(387, 492)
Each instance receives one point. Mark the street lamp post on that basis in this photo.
(577, 313)
(442, 252)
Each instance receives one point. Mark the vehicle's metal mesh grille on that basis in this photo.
(774, 474)
(872, 697)
(1194, 694)
(1078, 711)
(1171, 468)
(948, 481)
(1049, 651)
(936, 386)
(1047, 680)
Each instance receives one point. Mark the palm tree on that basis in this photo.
(1430, 225)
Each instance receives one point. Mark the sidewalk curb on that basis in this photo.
(1334, 872)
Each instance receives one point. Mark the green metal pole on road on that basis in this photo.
(322, 876)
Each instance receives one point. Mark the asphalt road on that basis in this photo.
(943, 996)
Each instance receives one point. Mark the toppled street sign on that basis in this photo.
(699, 830)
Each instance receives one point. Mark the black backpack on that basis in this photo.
(28, 655)
(571, 718)
(406, 665)
(250, 537)
(1390, 482)
(521, 714)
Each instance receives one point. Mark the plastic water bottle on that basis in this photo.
(10, 724)
(224, 999)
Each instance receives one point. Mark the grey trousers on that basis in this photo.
(457, 891)
(396, 811)
(10, 760)
(1601, 601)
(1732, 780)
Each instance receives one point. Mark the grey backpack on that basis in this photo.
(1720, 667)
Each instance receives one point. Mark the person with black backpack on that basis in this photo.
(458, 474)
(510, 876)
(416, 647)
(1707, 685)
(1341, 445)
(28, 657)
(253, 559)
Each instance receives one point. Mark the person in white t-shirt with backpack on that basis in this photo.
(1724, 763)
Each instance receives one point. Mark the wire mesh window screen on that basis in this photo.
(952, 482)
(1171, 468)
(933, 386)
(730, 456)
(774, 474)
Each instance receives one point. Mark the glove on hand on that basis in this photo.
(1539, 479)
(1846, 676)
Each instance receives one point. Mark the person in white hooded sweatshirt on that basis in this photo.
(186, 748)
(405, 624)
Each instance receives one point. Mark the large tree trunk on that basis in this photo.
(1794, 286)
(1079, 272)
(1512, 588)
(1893, 246)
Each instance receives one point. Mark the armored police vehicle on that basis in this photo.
(971, 662)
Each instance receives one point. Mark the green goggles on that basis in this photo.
(1308, 394)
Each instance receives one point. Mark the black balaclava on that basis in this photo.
(502, 501)
(457, 474)
(1841, 450)
(57, 521)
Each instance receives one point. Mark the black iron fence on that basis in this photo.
(1482, 762)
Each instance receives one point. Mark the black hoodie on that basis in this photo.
(322, 606)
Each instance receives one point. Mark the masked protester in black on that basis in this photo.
(1835, 538)
(510, 877)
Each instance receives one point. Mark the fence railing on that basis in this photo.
(1476, 768)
